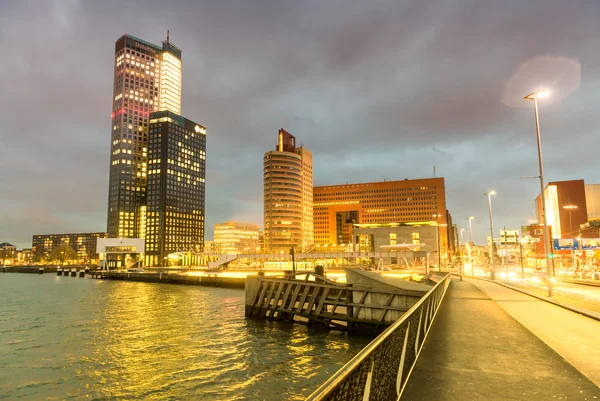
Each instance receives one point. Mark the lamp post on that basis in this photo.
(437, 240)
(533, 96)
(493, 271)
(570, 208)
(470, 229)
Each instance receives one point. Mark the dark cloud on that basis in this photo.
(377, 89)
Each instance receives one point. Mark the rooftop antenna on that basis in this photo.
(167, 36)
(433, 171)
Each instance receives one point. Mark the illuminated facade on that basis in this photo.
(147, 78)
(83, 243)
(566, 208)
(338, 207)
(288, 201)
(234, 237)
(370, 237)
(176, 183)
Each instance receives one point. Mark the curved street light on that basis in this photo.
(493, 271)
(534, 96)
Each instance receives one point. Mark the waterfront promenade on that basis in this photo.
(489, 342)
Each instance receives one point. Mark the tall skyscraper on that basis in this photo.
(175, 192)
(288, 199)
(147, 78)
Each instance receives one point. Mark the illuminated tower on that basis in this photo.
(175, 192)
(288, 198)
(147, 79)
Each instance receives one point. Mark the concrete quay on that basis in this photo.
(172, 278)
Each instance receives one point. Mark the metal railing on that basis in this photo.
(381, 370)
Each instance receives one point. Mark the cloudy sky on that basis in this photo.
(375, 89)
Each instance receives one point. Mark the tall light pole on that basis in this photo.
(470, 229)
(570, 208)
(437, 239)
(493, 271)
(533, 96)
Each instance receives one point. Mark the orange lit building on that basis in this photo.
(288, 197)
(338, 207)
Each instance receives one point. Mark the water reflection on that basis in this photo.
(71, 338)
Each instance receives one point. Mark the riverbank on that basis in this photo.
(33, 269)
(211, 280)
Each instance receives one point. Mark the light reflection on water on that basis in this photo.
(73, 338)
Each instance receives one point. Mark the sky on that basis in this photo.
(375, 89)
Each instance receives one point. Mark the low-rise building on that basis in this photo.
(371, 238)
(83, 245)
(7, 253)
(235, 237)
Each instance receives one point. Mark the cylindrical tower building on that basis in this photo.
(284, 205)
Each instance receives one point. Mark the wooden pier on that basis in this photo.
(325, 302)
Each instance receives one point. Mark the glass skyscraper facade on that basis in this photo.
(175, 192)
(147, 78)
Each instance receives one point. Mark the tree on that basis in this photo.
(63, 253)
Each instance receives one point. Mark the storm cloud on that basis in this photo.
(375, 89)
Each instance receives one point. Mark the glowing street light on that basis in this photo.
(493, 271)
(534, 96)
(570, 208)
(470, 229)
(437, 239)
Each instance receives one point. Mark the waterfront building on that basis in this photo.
(84, 244)
(175, 187)
(571, 206)
(24, 256)
(371, 237)
(288, 196)
(338, 207)
(235, 237)
(211, 247)
(147, 78)
(261, 240)
(7, 253)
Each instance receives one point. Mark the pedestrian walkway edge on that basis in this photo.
(590, 314)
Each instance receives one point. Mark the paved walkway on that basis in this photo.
(477, 351)
(577, 295)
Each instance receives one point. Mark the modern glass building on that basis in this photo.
(175, 190)
(235, 237)
(288, 196)
(147, 78)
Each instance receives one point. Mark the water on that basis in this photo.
(75, 338)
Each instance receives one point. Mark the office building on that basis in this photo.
(235, 237)
(571, 206)
(371, 237)
(147, 78)
(211, 247)
(175, 187)
(84, 244)
(288, 197)
(338, 207)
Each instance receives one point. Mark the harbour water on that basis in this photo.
(79, 338)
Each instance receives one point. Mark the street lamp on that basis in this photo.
(437, 240)
(570, 208)
(470, 229)
(493, 271)
(534, 96)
